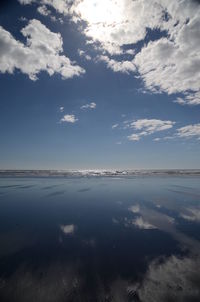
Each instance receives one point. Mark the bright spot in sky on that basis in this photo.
(101, 11)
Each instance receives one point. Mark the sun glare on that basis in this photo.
(101, 11)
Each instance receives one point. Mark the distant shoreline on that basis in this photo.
(99, 173)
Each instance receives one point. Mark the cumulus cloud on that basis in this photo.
(43, 51)
(69, 118)
(91, 105)
(148, 127)
(61, 6)
(115, 23)
(170, 64)
(61, 109)
(160, 65)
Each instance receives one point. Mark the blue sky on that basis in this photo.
(99, 84)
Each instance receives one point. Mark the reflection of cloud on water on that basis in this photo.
(151, 217)
(191, 214)
(68, 229)
(138, 222)
(174, 280)
(142, 224)
(55, 283)
(135, 208)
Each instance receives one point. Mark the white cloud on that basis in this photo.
(157, 139)
(118, 66)
(189, 131)
(171, 64)
(61, 6)
(189, 99)
(83, 54)
(69, 118)
(42, 52)
(140, 223)
(114, 23)
(161, 66)
(91, 105)
(115, 126)
(151, 125)
(61, 109)
(43, 10)
(134, 137)
(68, 229)
(148, 127)
(26, 1)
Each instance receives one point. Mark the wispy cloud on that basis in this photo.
(189, 131)
(69, 118)
(61, 109)
(115, 126)
(157, 139)
(91, 105)
(147, 127)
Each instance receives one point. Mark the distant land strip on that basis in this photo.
(98, 173)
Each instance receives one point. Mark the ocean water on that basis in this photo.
(131, 238)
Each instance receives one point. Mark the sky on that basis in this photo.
(99, 84)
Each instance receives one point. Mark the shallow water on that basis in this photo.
(100, 239)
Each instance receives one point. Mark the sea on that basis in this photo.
(100, 236)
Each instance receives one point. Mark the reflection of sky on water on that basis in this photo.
(100, 239)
